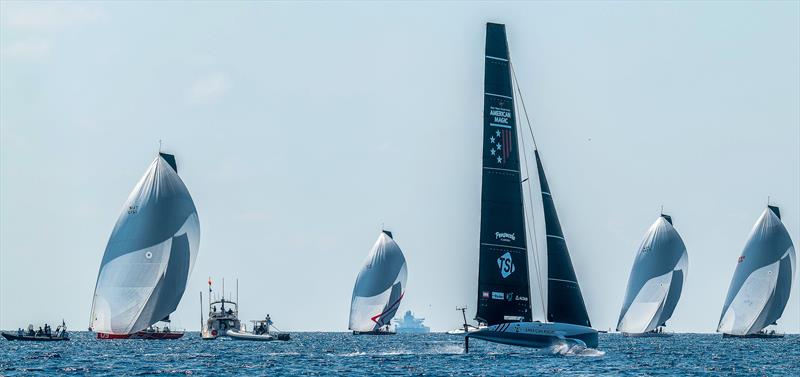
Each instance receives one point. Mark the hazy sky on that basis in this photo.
(300, 128)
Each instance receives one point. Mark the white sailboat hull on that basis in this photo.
(536, 334)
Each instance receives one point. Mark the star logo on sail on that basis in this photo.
(500, 145)
(506, 265)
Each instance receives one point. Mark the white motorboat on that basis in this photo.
(261, 332)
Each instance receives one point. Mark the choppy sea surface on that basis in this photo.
(425, 354)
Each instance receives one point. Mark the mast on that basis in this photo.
(503, 279)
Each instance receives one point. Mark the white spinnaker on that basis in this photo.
(149, 256)
(646, 305)
(741, 316)
(762, 280)
(379, 287)
(661, 262)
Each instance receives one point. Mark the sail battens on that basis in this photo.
(500, 125)
(498, 95)
(496, 58)
(499, 169)
(556, 237)
(563, 280)
(503, 246)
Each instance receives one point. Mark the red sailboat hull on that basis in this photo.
(142, 335)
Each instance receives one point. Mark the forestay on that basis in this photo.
(656, 279)
(763, 278)
(149, 255)
(379, 287)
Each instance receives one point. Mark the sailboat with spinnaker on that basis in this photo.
(148, 258)
(504, 311)
(761, 282)
(379, 288)
(656, 281)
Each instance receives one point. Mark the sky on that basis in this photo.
(300, 129)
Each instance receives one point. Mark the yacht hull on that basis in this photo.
(647, 334)
(758, 335)
(150, 335)
(374, 333)
(536, 334)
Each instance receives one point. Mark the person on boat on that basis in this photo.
(20, 332)
(214, 308)
(230, 311)
(39, 332)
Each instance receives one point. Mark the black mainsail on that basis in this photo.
(564, 300)
(503, 279)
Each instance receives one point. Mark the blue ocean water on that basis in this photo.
(426, 354)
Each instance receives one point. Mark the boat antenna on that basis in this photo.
(237, 297)
(662, 209)
(159, 145)
(535, 244)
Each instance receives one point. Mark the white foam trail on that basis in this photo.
(567, 348)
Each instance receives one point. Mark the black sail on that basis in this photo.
(503, 279)
(564, 299)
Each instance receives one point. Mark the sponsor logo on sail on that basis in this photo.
(741, 259)
(506, 265)
(510, 296)
(500, 142)
(522, 298)
(498, 295)
(505, 237)
(485, 294)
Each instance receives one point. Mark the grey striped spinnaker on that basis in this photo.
(762, 280)
(149, 255)
(656, 280)
(379, 287)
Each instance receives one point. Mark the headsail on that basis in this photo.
(656, 280)
(503, 281)
(564, 300)
(379, 287)
(149, 255)
(763, 278)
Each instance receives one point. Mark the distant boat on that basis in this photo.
(261, 332)
(148, 258)
(221, 319)
(379, 287)
(761, 282)
(411, 325)
(43, 335)
(657, 277)
(504, 308)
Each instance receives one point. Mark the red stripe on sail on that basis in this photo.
(507, 140)
(396, 303)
